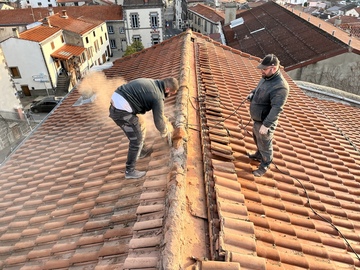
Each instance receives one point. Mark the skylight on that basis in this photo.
(237, 22)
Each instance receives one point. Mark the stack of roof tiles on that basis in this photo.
(65, 203)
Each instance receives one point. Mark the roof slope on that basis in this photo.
(39, 33)
(208, 12)
(268, 222)
(64, 201)
(272, 28)
(75, 25)
(28, 16)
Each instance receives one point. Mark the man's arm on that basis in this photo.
(278, 100)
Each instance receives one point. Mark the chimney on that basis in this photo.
(51, 11)
(230, 12)
(46, 21)
(15, 32)
(64, 14)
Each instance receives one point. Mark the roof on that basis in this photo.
(65, 202)
(28, 16)
(71, 1)
(67, 51)
(343, 19)
(296, 39)
(75, 25)
(207, 12)
(39, 33)
(143, 3)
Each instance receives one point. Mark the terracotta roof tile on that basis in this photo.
(208, 12)
(26, 16)
(74, 208)
(39, 33)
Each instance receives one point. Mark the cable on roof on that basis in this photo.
(285, 173)
(316, 213)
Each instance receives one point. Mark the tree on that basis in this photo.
(136, 46)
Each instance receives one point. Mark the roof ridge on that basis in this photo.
(172, 253)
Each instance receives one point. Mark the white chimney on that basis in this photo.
(64, 14)
(46, 22)
(230, 12)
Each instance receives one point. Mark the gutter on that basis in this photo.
(329, 91)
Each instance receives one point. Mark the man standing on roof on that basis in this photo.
(134, 98)
(266, 103)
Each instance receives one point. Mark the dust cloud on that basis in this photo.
(97, 83)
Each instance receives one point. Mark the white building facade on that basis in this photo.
(10, 105)
(29, 61)
(144, 23)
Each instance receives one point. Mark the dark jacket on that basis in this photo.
(144, 95)
(268, 99)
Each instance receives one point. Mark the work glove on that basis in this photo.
(263, 130)
(168, 133)
(250, 96)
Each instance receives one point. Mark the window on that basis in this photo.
(90, 52)
(134, 20)
(154, 20)
(112, 43)
(39, 4)
(83, 57)
(15, 72)
(111, 29)
(94, 33)
(87, 40)
(205, 26)
(101, 41)
(96, 45)
(62, 38)
(155, 39)
(122, 30)
(52, 45)
(105, 36)
(136, 38)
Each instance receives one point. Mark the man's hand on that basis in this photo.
(168, 133)
(250, 96)
(263, 130)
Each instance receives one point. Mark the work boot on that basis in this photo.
(256, 156)
(134, 174)
(260, 171)
(145, 152)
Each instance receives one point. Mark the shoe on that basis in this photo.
(256, 156)
(145, 152)
(260, 171)
(134, 174)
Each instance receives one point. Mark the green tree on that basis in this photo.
(136, 46)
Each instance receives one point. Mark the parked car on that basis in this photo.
(47, 104)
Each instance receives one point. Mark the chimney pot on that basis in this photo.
(64, 14)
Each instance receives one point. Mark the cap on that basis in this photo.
(268, 61)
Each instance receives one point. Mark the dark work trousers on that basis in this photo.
(264, 143)
(134, 129)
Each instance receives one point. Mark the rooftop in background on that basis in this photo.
(208, 12)
(271, 28)
(30, 15)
